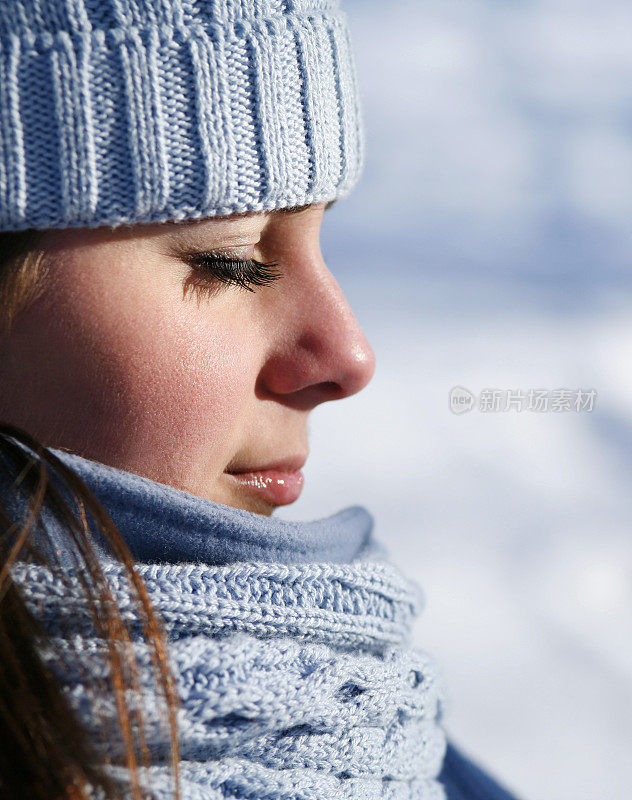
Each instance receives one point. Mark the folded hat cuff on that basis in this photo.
(156, 122)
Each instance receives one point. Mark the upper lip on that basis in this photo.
(288, 464)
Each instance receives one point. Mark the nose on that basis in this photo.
(319, 351)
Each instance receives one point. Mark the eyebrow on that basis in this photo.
(198, 224)
(299, 209)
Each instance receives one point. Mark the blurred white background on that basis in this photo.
(488, 244)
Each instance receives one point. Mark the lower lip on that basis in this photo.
(275, 486)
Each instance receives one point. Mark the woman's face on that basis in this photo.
(136, 356)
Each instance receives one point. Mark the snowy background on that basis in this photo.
(488, 244)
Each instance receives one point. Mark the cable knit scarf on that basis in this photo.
(290, 643)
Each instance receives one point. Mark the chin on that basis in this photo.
(246, 503)
(253, 508)
(265, 509)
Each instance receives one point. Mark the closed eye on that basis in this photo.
(211, 269)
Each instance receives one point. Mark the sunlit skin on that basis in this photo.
(118, 361)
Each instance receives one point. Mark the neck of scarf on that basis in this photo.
(289, 643)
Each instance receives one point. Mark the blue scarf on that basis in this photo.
(289, 642)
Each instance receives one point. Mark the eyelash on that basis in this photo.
(246, 273)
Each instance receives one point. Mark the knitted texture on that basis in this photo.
(298, 682)
(127, 111)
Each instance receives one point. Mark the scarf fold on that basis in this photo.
(294, 667)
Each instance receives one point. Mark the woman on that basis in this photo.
(168, 325)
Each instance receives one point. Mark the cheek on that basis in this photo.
(161, 384)
(188, 380)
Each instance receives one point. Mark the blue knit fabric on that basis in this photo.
(120, 111)
(164, 524)
(298, 680)
(289, 644)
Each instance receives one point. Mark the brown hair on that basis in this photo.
(22, 268)
(45, 754)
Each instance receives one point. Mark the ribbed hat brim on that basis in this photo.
(154, 123)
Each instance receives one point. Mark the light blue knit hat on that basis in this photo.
(124, 111)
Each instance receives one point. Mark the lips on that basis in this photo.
(278, 484)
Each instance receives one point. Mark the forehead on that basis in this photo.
(234, 222)
(229, 228)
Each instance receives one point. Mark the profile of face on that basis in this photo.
(168, 350)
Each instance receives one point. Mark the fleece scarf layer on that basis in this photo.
(289, 643)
